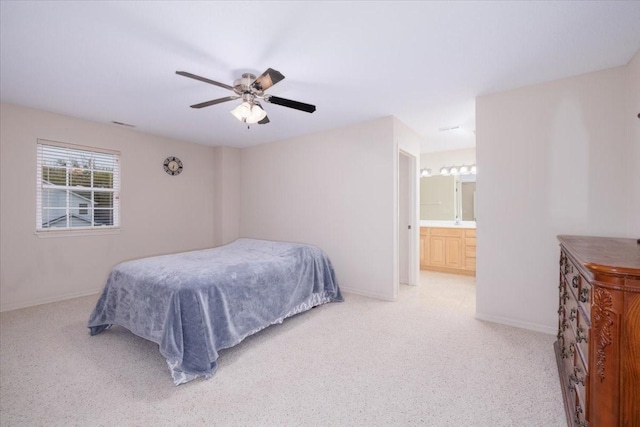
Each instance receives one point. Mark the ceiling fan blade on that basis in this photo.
(267, 79)
(215, 101)
(291, 104)
(204, 79)
(266, 118)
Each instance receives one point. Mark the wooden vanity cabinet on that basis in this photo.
(598, 346)
(470, 249)
(451, 250)
(424, 247)
(445, 247)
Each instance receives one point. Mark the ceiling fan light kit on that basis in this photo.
(249, 113)
(251, 90)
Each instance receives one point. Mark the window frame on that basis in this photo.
(77, 151)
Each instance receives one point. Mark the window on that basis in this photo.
(77, 187)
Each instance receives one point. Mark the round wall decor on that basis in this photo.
(172, 165)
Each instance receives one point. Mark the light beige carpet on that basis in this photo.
(423, 360)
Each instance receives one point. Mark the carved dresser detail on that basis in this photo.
(598, 346)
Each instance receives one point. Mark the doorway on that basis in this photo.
(408, 226)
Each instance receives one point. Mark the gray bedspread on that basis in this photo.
(194, 304)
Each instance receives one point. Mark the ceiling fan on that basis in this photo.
(251, 90)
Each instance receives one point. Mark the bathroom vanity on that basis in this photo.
(448, 246)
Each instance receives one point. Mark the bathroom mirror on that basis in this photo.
(447, 198)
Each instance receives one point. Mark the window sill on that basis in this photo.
(82, 232)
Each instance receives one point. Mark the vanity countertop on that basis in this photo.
(448, 224)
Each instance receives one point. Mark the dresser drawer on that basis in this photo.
(571, 313)
(584, 296)
(565, 264)
(573, 281)
(565, 294)
(579, 417)
(564, 322)
(582, 339)
(571, 274)
(579, 379)
(580, 286)
(470, 241)
(567, 349)
(470, 232)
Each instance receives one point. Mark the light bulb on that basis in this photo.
(242, 111)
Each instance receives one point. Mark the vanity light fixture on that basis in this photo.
(425, 172)
(457, 170)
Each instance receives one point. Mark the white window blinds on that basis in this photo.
(77, 187)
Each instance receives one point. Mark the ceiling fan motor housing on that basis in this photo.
(243, 84)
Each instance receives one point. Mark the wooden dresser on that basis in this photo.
(447, 249)
(598, 346)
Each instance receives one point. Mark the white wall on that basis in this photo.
(332, 189)
(553, 159)
(226, 195)
(633, 163)
(159, 213)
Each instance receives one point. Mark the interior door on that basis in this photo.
(405, 228)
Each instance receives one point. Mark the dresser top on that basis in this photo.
(614, 256)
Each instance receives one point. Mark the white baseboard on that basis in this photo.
(48, 300)
(517, 323)
(349, 290)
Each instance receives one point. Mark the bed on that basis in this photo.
(193, 304)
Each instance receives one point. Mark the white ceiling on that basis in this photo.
(423, 62)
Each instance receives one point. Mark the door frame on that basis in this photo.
(413, 243)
